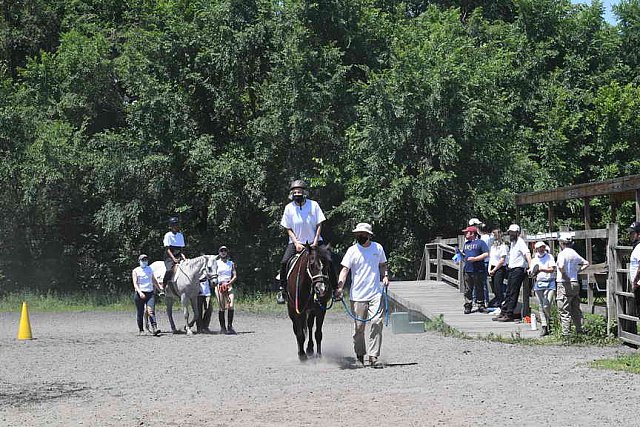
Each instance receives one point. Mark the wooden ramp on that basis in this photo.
(432, 298)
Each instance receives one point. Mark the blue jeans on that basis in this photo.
(149, 301)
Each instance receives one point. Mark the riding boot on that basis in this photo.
(223, 328)
(283, 279)
(230, 330)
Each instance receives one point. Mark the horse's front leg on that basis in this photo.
(186, 301)
(319, 322)
(169, 302)
(196, 314)
(299, 329)
(310, 321)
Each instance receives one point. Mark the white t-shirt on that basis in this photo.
(173, 239)
(364, 264)
(144, 278)
(545, 261)
(225, 270)
(570, 261)
(517, 254)
(303, 220)
(496, 252)
(634, 261)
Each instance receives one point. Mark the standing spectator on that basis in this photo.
(224, 291)
(204, 304)
(174, 244)
(475, 251)
(569, 265)
(144, 284)
(519, 261)
(487, 238)
(543, 266)
(367, 262)
(498, 253)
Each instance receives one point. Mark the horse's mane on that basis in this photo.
(325, 253)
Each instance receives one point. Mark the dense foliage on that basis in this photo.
(415, 116)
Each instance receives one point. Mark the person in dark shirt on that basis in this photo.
(475, 250)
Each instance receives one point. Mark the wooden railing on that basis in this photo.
(437, 264)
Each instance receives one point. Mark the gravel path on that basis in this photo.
(93, 369)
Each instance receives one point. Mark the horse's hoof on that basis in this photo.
(310, 352)
(302, 357)
(175, 332)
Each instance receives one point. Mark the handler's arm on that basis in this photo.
(384, 273)
(635, 283)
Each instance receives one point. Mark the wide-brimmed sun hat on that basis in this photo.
(541, 244)
(363, 227)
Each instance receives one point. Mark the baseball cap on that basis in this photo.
(475, 221)
(471, 228)
(223, 248)
(540, 245)
(563, 237)
(635, 226)
(142, 256)
(514, 227)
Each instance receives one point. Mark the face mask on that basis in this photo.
(513, 237)
(298, 198)
(144, 264)
(362, 239)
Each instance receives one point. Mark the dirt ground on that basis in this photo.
(93, 369)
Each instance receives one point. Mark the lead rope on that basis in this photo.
(383, 306)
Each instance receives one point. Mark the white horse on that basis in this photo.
(186, 286)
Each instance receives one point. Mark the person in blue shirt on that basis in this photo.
(475, 251)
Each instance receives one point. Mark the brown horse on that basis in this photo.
(310, 286)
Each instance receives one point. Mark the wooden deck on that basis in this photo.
(432, 298)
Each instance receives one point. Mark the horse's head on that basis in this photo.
(318, 267)
(210, 269)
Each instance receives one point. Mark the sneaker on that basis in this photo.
(467, 310)
(231, 331)
(375, 363)
(504, 319)
(360, 361)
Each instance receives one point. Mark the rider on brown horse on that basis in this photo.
(302, 218)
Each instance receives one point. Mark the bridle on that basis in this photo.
(316, 281)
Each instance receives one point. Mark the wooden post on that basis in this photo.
(588, 249)
(612, 276)
(461, 266)
(517, 214)
(550, 213)
(427, 256)
(638, 204)
(439, 263)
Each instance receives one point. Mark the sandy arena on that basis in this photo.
(93, 369)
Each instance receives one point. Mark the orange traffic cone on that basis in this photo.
(24, 331)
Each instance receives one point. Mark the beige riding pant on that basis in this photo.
(366, 310)
(568, 299)
(545, 297)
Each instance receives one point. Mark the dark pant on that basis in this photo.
(515, 278)
(473, 281)
(498, 287)
(205, 310)
(150, 301)
(289, 252)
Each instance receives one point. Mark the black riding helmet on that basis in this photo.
(174, 220)
(298, 183)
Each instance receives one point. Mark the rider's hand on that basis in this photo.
(142, 295)
(299, 247)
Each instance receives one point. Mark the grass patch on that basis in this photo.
(627, 363)
(257, 302)
(437, 324)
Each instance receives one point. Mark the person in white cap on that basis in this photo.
(227, 276)
(367, 263)
(144, 284)
(302, 218)
(568, 297)
(487, 238)
(543, 267)
(519, 262)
